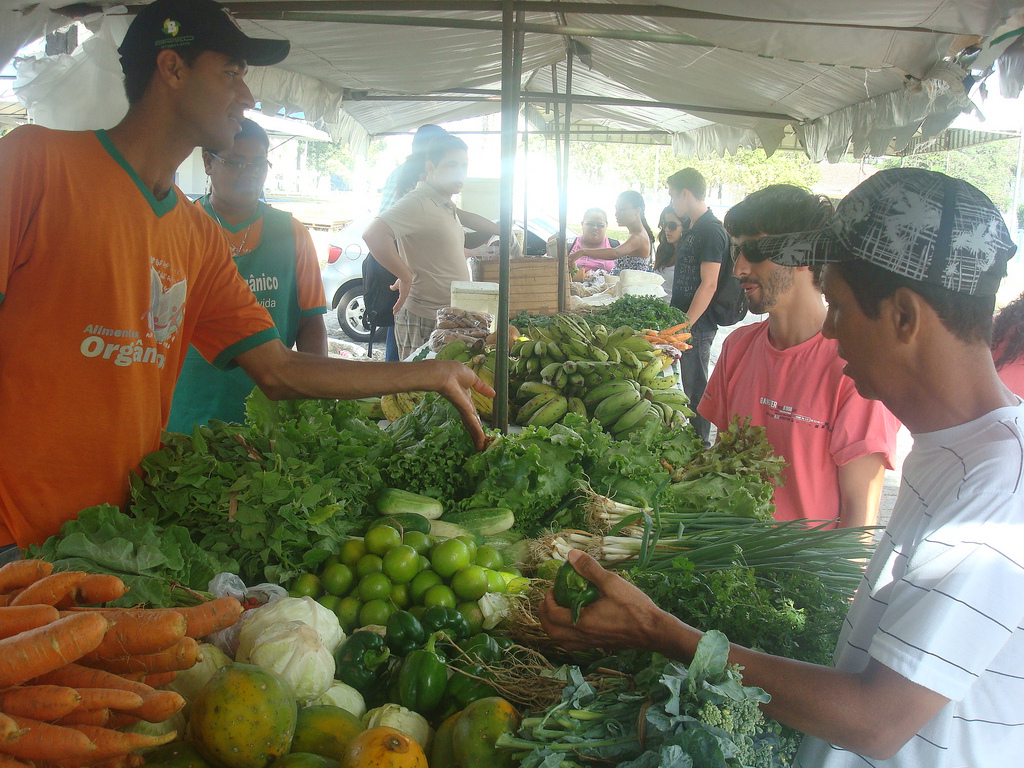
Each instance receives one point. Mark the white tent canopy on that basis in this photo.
(717, 75)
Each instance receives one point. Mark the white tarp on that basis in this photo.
(884, 76)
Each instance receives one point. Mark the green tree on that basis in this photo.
(991, 167)
(329, 158)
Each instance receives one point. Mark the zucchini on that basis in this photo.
(485, 521)
(394, 501)
(403, 521)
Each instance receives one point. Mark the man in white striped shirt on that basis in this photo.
(929, 669)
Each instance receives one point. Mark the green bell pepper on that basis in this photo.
(423, 679)
(441, 618)
(468, 685)
(481, 648)
(573, 591)
(360, 660)
(404, 633)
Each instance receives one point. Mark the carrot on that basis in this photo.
(47, 648)
(139, 632)
(15, 619)
(110, 743)
(6, 761)
(85, 717)
(160, 679)
(77, 676)
(49, 590)
(109, 698)
(676, 328)
(158, 706)
(206, 618)
(43, 741)
(182, 655)
(100, 588)
(39, 702)
(119, 721)
(8, 728)
(20, 573)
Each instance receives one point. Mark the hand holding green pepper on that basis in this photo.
(572, 591)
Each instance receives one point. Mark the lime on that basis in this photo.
(424, 564)
(380, 539)
(488, 557)
(470, 542)
(401, 564)
(306, 585)
(449, 556)
(351, 551)
(515, 585)
(330, 602)
(375, 612)
(400, 595)
(329, 561)
(470, 583)
(423, 581)
(473, 615)
(368, 564)
(511, 570)
(418, 541)
(348, 612)
(337, 579)
(374, 586)
(495, 581)
(548, 569)
(439, 594)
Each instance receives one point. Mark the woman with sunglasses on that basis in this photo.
(635, 252)
(670, 229)
(275, 256)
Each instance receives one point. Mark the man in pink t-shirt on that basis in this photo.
(789, 378)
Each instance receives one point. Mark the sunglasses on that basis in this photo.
(595, 224)
(671, 226)
(259, 165)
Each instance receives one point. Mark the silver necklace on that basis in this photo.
(235, 250)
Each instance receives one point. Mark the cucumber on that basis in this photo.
(403, 521)
(393, 501)
(486, 521)
(442, 529)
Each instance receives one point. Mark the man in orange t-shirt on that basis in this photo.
(100, 295)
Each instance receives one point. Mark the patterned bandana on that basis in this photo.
(920, 224)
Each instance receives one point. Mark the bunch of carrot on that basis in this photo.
(72, 677)
(676, 336)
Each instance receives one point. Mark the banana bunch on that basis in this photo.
(483, 366)
(457, 350)
(624, 406)
(573, 339)
(398, 405)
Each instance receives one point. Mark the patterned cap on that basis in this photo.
(920, 224)
(197, 24)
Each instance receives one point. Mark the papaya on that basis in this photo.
(476, 730)
(303, 760)
(178, 754)
(383, 747)
(443, 754)
(244, 717)
(325, 730)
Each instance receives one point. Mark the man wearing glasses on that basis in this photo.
(275, 256)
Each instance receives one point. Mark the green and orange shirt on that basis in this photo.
(102, 289)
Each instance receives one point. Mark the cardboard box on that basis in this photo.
(533, 284)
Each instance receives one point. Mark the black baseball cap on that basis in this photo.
(193, 24)
(920, 224)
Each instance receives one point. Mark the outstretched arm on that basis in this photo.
(634, 245)
(873, 713)
(380, 239)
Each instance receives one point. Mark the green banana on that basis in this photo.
(548, 371)
(611, 408)
(535, 404)
(613, 354)
(532, 388)
(608, 389)
(555, 352)
(600, 335)
(630, 359)
(533, 365)
(619, 335)
(580, 348)
(540, 348)
(570, 366)
(649, 371)
(549, 413)
(632, 419)
(452, 350)
(561, 379)
(664, 382)
(576, 406)
(636, 344)
(599, 354)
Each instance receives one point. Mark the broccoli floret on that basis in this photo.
(755, 744)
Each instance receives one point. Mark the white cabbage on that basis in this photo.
(344, 696)
(295, 651)
(401, 719)
(494, 606)
(304, 609)
(189, 682)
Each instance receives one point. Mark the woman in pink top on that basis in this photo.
(1008, 345)
(595, 235)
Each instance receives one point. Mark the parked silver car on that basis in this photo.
(343, 274)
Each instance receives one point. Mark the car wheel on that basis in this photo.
(351, 309)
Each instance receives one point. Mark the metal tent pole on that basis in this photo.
(563, 192)
(511, 69)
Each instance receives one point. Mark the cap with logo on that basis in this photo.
(920, 224)
(197, 24)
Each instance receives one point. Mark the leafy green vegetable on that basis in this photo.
(638, 312)
(149, 559)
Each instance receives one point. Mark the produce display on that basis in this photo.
(407, 633)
